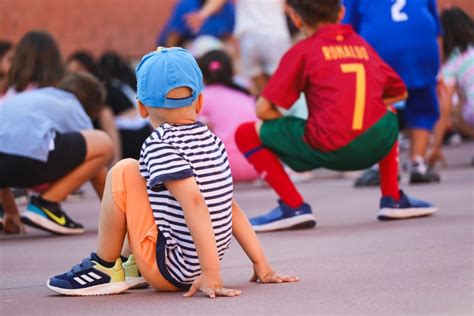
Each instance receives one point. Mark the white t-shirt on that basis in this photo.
(261, 16)
(175, 152)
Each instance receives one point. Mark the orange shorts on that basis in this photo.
(130, 196)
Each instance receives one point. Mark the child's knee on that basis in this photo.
(246, 136)
(99, 143)
(126, 165)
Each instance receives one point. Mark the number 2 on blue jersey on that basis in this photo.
(397, 14)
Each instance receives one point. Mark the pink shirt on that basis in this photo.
(224, 110)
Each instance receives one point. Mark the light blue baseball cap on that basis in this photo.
(166, 69)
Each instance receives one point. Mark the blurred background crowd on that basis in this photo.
(238, 45)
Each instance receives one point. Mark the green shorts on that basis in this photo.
(284, 137)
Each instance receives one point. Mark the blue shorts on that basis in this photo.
(218, 25)
(421, 108)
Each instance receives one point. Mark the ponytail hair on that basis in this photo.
(216, 67)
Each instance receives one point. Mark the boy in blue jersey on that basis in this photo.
(176, 204)
(404, 33)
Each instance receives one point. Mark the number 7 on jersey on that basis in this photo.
(359, 103)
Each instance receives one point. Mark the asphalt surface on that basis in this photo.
(349, 264)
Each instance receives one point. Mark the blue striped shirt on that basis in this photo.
(177, 152)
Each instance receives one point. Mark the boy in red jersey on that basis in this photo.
(351, 124)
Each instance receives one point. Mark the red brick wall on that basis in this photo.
(127, 26)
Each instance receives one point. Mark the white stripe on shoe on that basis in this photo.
(95, 276)
(78, 280)
(85, 277)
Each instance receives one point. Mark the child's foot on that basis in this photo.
(421, 173)
(90, 278)
(132, 274)
(369, 178)
(284, 217)
(49, 217)
(407, 207)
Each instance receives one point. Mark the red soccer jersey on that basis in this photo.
(344, 82)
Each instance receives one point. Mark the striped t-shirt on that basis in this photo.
(177, 152)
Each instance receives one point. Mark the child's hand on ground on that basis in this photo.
(212, 287)
(12, 224)
(265, 274)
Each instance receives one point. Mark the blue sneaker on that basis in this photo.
(407, 207)
(90, 278)
(284, 217)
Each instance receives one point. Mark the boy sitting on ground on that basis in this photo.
(175, 204)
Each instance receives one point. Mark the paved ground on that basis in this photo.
(350, 264)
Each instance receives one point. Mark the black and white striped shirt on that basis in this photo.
(177, 152)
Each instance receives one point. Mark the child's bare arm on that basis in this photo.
(196, 214)
(248, 240)
(266, 110)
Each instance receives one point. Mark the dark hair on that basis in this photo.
(458, 30)
(86, 60)
(216, 67)
(36, 60)
(112, 66)
(87, 89)
(313, 12)
(5, 46)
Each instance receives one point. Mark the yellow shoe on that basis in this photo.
(132, 274)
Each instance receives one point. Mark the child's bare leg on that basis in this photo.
(419, 142)
(112, 226)
(11, 217)
(126, 251)
(99, 153)
(98, 182)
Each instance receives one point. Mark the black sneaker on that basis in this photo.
(50, 217)
(370, 178)
(429, 176)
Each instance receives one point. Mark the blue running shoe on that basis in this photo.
(407, 207)
(90, 278)
(284, 217)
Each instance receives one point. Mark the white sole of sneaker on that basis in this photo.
(136, 282)
(395, 213)
(301, 221)
(44, 223)
(102, 289)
